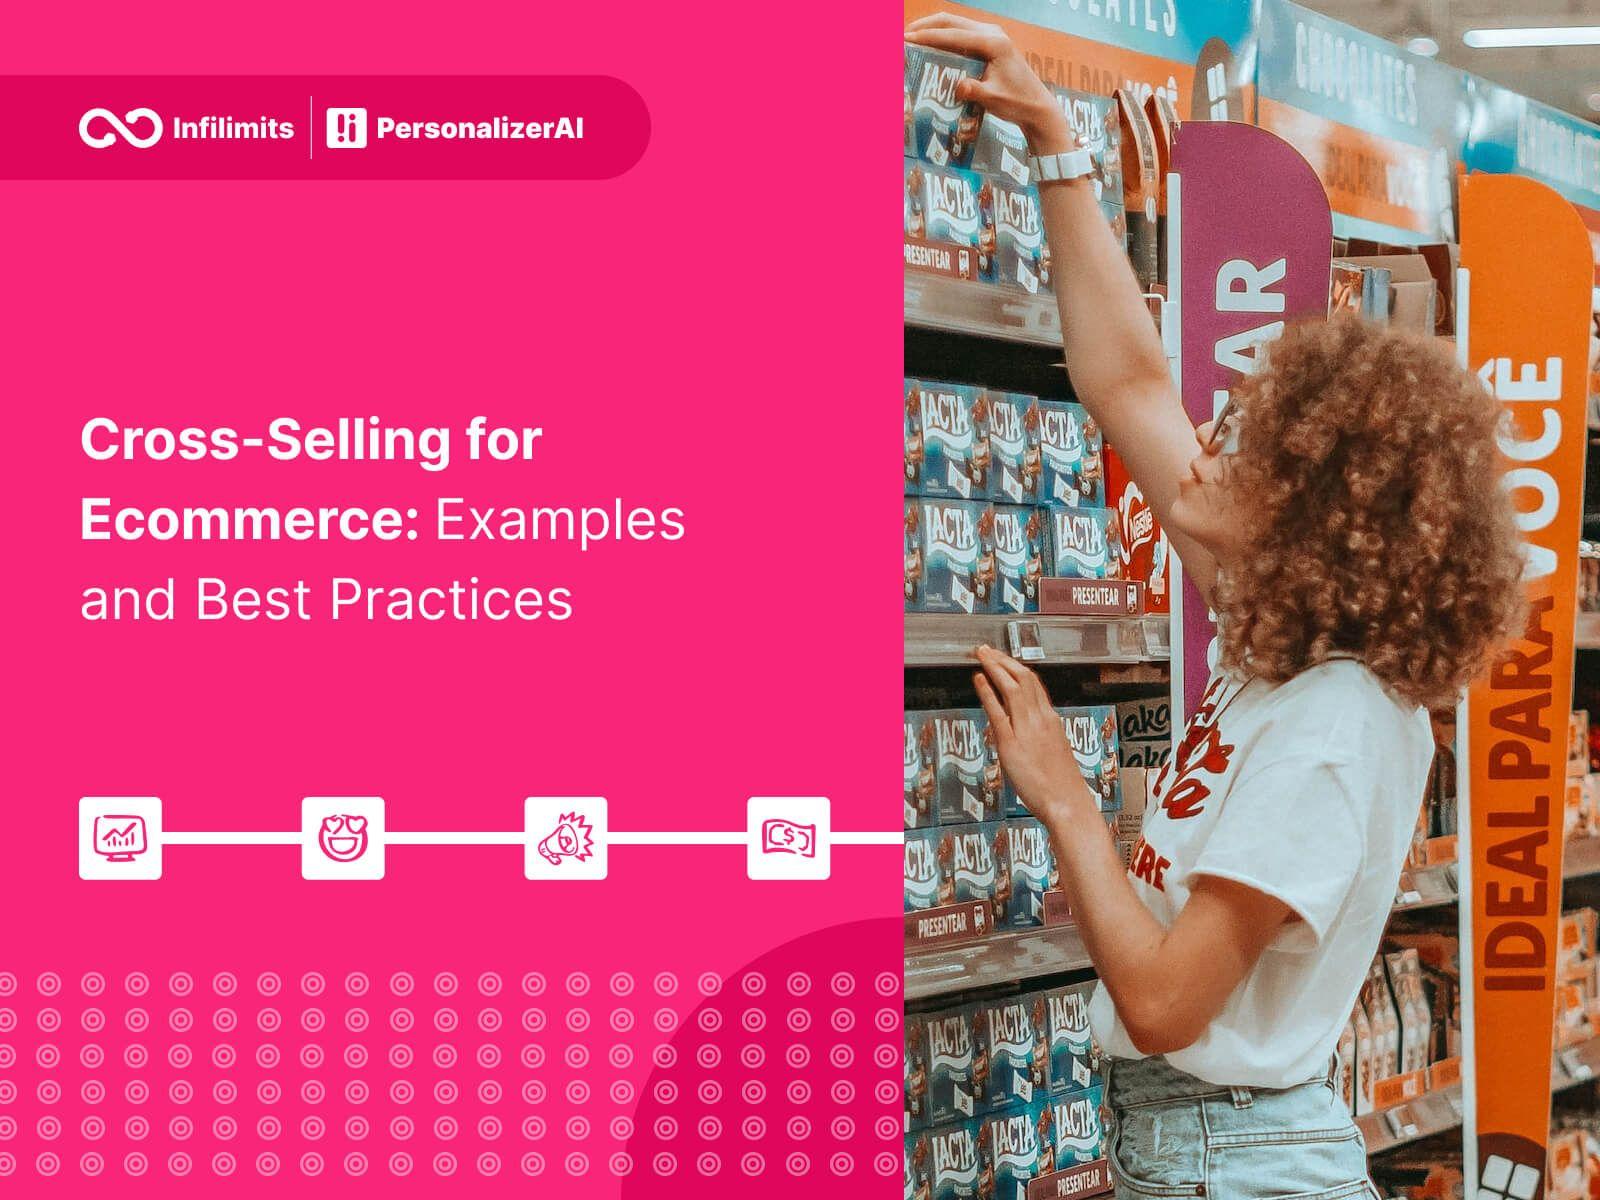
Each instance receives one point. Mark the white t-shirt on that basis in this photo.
(1307, 791)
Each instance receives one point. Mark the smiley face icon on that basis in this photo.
(343, 836)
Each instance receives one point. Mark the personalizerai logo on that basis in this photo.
(936, 91)
(1013, 1143)
(1081, 538)
(1061, 436)
(955, 1158)
(1078, 1126)
(141, 128)
(972, 862)
(950, 1043)
(945, 419)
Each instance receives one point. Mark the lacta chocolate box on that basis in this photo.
(1081, 543)
(1014, 1147)
(1002, 151)
(1076, 1127)
(1029, 870)
(1024, 256)
(1018, 557)
(944, 444)
(918, 1167)
(1070, 448)
(940, 127)
(953, 208)
(1011, 1044)
(969, 850)
(970, 784)
(927, 876)
(1094, 120)
(949, 556)
(1074, 1065)
(1011, 420)
(1144, 732)
(953, 1152)
(916, 1091)
(953, 1088)
(1093, 734)
(921, 770)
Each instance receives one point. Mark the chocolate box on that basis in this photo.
(944, 445)
(1144, 731)
(1011, 1044)
(1081, 543)
(1093, 734)
(1142, 543)
(920, 762)
(1071, 456)
(918, 1167)
(1028, 870)
(953, 208)
(1094, 120)
(1018, 557)
(1023, 255)
(916, 1090)
(953, 1154)
(1014, 1147)
(927, 876)
(969, 850)
(939, 127)
(949, 556)
(970, 785)
(1011, 420)
(1002, 151)
(1076, 1128)
(1074, 1065)
(953, 1085)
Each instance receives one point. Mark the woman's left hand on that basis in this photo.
(1029, 735)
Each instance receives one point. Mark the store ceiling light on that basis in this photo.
(1423, 45)
(1548, 35)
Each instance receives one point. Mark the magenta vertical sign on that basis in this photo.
(1253, 250)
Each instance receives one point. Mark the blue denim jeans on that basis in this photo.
(1169, 1135)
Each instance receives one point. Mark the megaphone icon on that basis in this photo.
(573, 837)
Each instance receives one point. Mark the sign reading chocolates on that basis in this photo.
(1237, 283)
(1528, 271)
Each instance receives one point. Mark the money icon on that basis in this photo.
(787, 837)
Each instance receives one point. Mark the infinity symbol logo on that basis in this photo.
(119, 125)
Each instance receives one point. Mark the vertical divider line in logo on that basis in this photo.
(311, 126)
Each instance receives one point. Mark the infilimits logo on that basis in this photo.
(141, 128)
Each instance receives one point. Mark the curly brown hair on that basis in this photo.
(1366, 475)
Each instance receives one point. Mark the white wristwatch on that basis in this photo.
(1053, 168)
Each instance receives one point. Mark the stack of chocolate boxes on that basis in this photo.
(971, 207)
(1002, 489)
(969, 838)
(1000, 1093)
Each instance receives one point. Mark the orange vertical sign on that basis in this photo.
(1529, 272)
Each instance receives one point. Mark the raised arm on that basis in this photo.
(1113, 352)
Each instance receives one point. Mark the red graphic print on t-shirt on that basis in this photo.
(1202, 752)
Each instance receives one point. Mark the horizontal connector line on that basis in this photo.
(493, 837)
(228, 837)
(678, 837)
(873, 837)
(510, 837)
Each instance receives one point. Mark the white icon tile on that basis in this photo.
(788, 837)
(342, 837)
(565, 837)
(119, 837)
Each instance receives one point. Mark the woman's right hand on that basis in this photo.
(1009, 88)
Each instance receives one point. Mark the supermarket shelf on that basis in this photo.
(998, 959)
(1581, 857)
(1440, 1111)
(987, 310)
(1588, 632)
(941, 639)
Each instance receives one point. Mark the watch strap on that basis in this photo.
(1053, 168)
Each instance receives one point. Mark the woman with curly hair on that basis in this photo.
(1342, 516)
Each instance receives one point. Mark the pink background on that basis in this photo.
(708, 330)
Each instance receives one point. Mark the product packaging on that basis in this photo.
(1081, 543)
(953, 1152)
(1140, 186)
(920, 762)
(928, 883)
(1094, 120)
(1015, 1147)
(918, 1167)
(1572, 823)
(1366, 1057)
(1002, 152)
(1071, 452)
(1018, 557)
(942, 439)
(970, 851)
(1411, 1008)
(1029, 870)
(1142, 542)
(1078, 1135)
(1011, 1037)
(952, 208)
(967, 771)
(1012, 423)
(1163, 121)
(1093, 734)
(1578, 743)
(1129, 827)
(1345, 1054)
(1144, 731)
(1385, 1022)
(916, 1091)
(1074, 1065)
(1024, 256)
(949, 561)
(954, 1082)
(939, 127)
